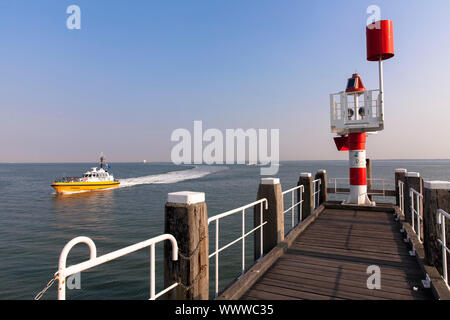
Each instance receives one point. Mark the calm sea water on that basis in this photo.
(35, 223)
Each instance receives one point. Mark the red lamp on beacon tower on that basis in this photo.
(356, 111)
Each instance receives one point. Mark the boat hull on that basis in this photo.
(69, 187)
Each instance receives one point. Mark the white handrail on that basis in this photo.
(301, 189)
(440, 220)
(415, 211)
(316, 191)
(369, 180)
(217, 218)
(64, 272)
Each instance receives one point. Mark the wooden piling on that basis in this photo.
(323, 194)
(369, 178)
(186, 218)
(399, 176)
(436, 196)
(273, 230)
(412, 180)
(308, 194)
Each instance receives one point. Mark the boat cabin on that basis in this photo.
(97, 175)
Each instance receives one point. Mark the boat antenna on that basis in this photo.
(101, 159)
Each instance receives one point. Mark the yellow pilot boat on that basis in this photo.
(95, 179)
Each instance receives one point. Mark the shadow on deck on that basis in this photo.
(330, 257)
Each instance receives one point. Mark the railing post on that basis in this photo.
(308, 195)
(186, 218)
(369, 177)
(273, 230)
(436, 196)
(412, 180)
(400, 175)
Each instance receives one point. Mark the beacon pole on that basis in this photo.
(380, 71)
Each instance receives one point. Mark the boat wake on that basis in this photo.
(171, 177)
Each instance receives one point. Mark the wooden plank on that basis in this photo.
(360, 220)
(364, 260)
(358, 213)
(349, 238)
(350, 234)
(330, 259)
(337, 288)
(256, 294)
(347, 231)
(346, 282)
(304, 295)
(389, 248)
(247, 297)
(365, 225)
(358, 252)
(351, 266)
(305, 290)
(353, 255)
(394, 281)
(369, 227)
(336, 232)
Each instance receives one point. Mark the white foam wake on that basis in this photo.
(171, 177)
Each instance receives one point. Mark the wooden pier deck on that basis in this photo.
(329, 260)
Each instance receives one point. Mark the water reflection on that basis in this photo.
(84, 211)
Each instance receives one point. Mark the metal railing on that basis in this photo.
(440, 215)
(316, 192)
(294, 204)
(401, 196)
(241, 238)
(365, 112)
(416, 211)
(69, 179)
(64, 272)
(370, 182)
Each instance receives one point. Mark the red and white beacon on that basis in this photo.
(356, 111)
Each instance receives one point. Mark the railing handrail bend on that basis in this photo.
(64, 272)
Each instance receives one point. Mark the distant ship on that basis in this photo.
(260, 164)
(94, 179)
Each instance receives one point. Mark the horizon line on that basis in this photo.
(169, 162)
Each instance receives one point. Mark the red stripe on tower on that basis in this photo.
(358, 176)
(357, 158)
(357, 141)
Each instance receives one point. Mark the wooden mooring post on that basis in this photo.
(186, 218)
(400, 175)
(308, 200)
(273, 230)
(436, 196)
(414, 181)
(323, 194)
(369, 178)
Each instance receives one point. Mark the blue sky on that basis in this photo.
(137, 70)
